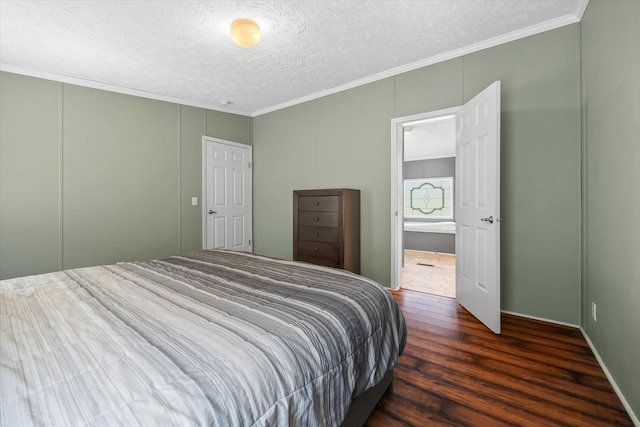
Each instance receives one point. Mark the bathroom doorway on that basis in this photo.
(428, 217)
(477, 202)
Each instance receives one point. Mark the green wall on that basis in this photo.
(30, 175)
(343, 140)
(611, 207)
(540, 169)
(93, 177)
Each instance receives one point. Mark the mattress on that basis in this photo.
(210, 338)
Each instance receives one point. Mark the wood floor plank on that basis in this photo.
(563, 382)
(538, 329)
(454, 371)
(559, 379)
(511, 391)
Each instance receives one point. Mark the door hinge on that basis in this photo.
(249, 165)
(249, 242)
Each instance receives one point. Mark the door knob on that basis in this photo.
(489, 220)
(211, 212)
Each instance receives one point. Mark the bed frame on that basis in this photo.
(363, 405)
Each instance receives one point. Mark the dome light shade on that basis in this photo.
(245, 32)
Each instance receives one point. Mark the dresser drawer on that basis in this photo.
(318, 234)
(318, 249)
(318, 219)
(318, 203)
(319, 261)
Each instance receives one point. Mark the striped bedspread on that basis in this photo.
(211, 338)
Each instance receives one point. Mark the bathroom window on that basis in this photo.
(428, 198)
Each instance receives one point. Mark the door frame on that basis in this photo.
(397, 199)
(249, 148)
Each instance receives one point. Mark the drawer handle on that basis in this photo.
(317, 203)
(316, 249)
(316, 218)
(316, 234)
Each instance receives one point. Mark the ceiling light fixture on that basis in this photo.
(245, 32)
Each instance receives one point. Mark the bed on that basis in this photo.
(210, 338)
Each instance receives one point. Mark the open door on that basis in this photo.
(477, 195)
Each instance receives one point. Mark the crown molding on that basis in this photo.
(582, 6)
(113, 88)
(495, 41)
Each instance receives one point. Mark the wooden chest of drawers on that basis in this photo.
(326, 227)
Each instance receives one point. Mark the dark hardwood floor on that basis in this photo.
(454, 371)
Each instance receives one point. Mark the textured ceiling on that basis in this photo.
(180, 51)
(430, 139)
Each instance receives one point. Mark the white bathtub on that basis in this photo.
(430, 227)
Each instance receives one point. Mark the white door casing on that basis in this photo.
(226, 195)
(477, 193)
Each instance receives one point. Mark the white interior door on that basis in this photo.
(226, 188)
(478, 206)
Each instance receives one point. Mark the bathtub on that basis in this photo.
(430, 227)
(430, 236)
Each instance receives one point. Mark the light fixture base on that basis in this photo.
(245, 32)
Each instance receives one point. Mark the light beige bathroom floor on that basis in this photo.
(430, 272)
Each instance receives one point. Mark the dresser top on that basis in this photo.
(324, 191)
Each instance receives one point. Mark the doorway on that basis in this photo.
(477, 202)
(427, 207)
(398, 130)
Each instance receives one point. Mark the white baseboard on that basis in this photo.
(626, 405)
(634, 417)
